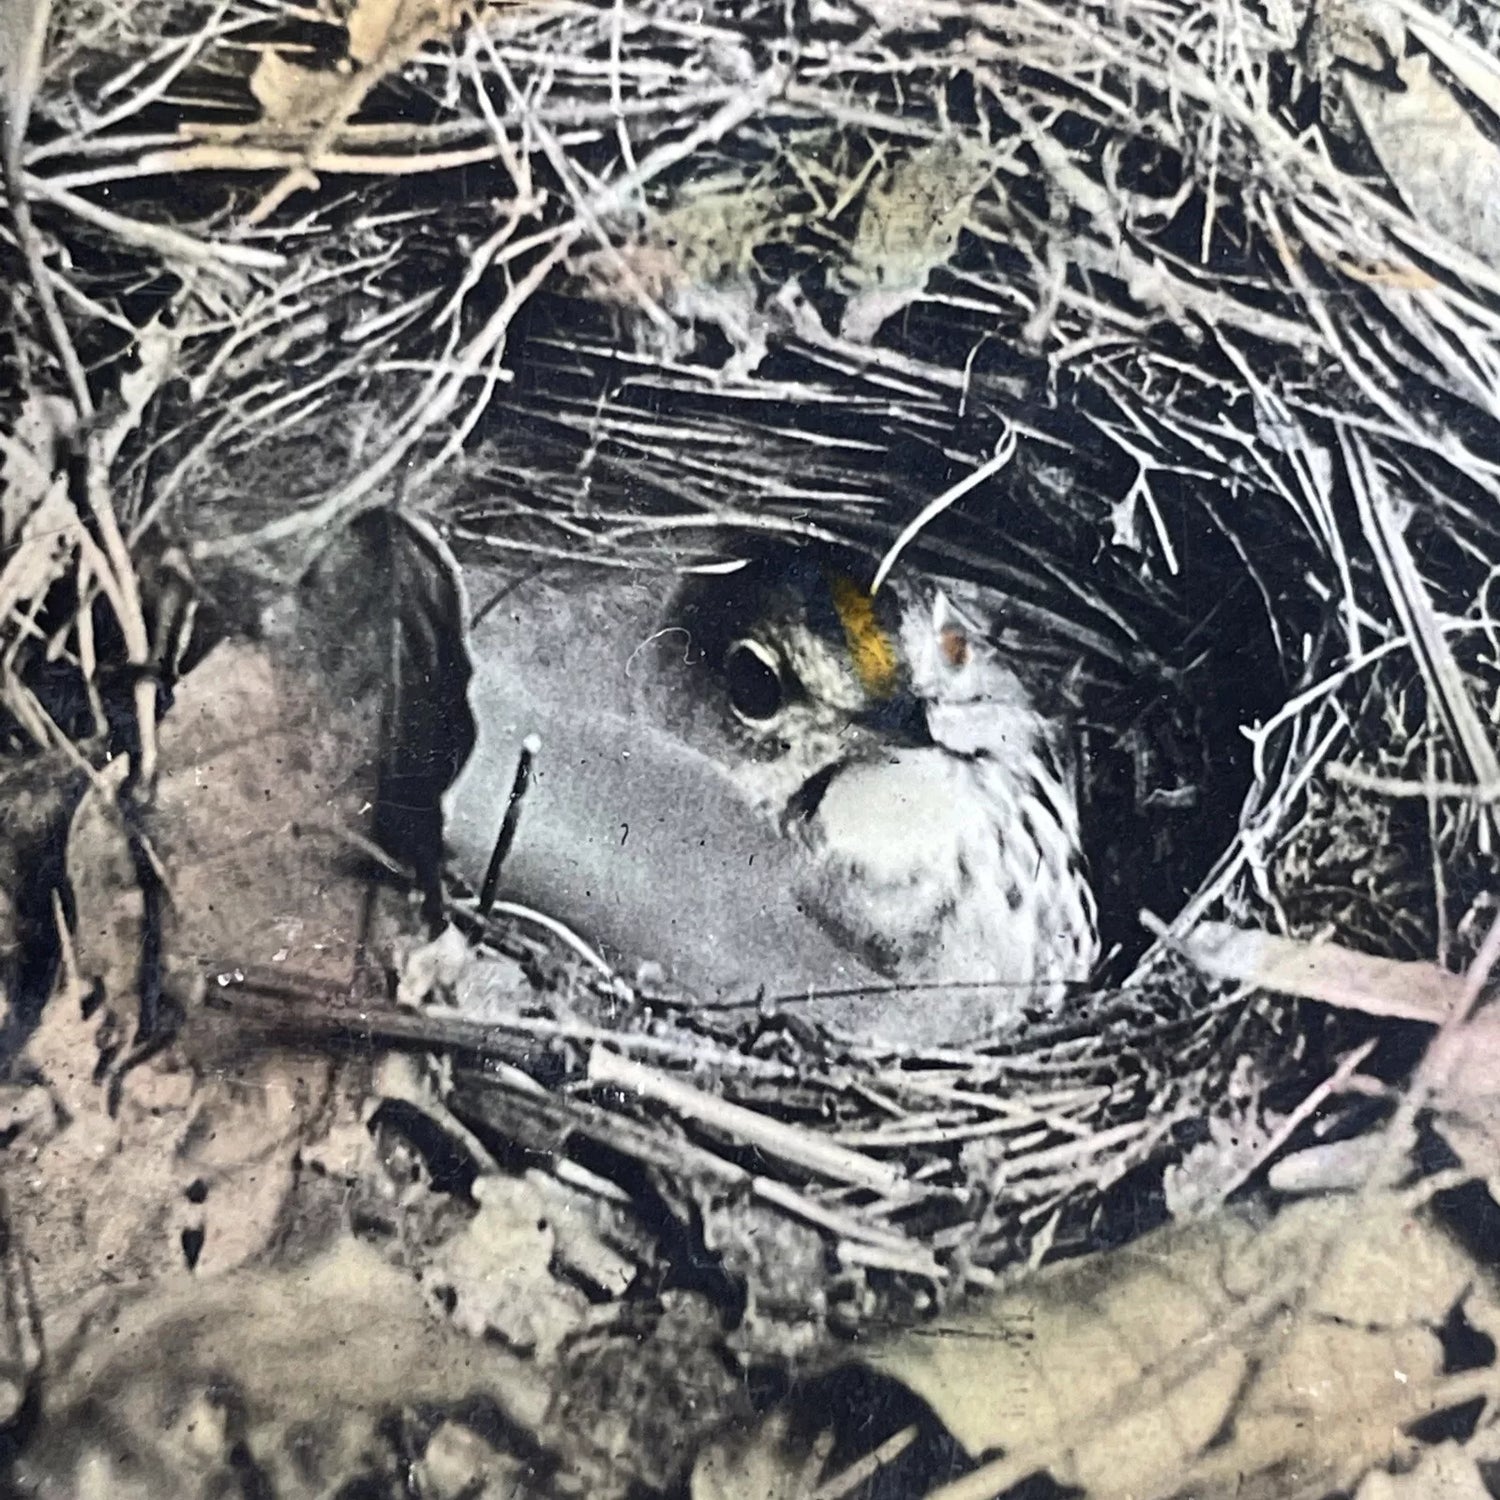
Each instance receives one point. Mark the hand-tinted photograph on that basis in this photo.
(750, 750)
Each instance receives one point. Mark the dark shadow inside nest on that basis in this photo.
(1158, 669)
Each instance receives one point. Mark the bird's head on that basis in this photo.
(790, 666)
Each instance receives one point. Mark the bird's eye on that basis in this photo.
(753, 678)
(953, 642)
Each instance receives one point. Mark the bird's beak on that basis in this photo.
(900, 719)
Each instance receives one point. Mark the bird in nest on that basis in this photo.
(785, 788)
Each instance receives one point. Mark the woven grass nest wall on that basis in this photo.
(1171, 328)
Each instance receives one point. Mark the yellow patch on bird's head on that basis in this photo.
(871, 649)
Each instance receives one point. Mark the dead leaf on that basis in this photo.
(1339, 1166)
(1325, 972)
(265, 778)
(99, 1196)
(114, 1198)
(64, 1051)
(157, 348)
(580, 1247)
(261, 775)
(95, 1190)
(190, 1172)
(1202, 1358)
(1466, 1096)
(385, 33)
(299, 1367)
(243, 1133)
(765, 1463)
(913, 213)
(23, 32)
(431, 969)
(29, 458)
(1239, 1133)
(375, 25)
(1446, 1473)
(295, 98)
(908, 228)
(109, 910)
(496, 1274)
(1436, 154)
(714, 233)
(315, 104)
(43, 551)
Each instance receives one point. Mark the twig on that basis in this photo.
(1005, 450)
(292, 1005)
(801, 1148)
(172, 244)
(909, 1260)
(22, 81)
(558, 929)
(254, 158)
(743, 106)
(1105, 1142)
(508, 824)
(1326, 972)
(568, 176)
(1413, 790)
(432, 406)
(125, 597)
(845, 1225)
(1409, 594)
(864, 1469)
(685, 1159)
(1310, 1104)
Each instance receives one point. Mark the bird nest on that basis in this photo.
(1171, 326)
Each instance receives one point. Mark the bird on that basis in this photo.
(793, 786)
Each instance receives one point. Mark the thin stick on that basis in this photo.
(1413, 603)
(1331, 1085)
(850, 1479)
(563, 933)
(434, 404)
(1005, 450)
(813, 1153)
(508, 824)
(848, 1226)
(1411, 789)
(26, 72)
(224, 260)
(684, 1158)
(290, 1005)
